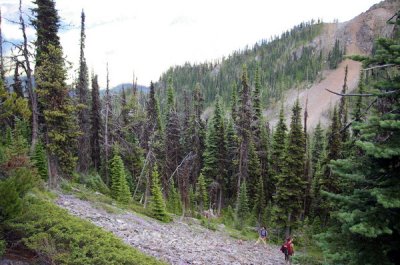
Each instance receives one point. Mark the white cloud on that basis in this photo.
(149, 36)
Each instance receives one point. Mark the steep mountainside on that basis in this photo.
(298, 63)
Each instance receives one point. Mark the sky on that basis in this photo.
(147, 37)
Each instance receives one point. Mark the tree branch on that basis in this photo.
(379, 66)
(364, 95)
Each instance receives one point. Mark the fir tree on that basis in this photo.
(290, 186)
(254, 173)
(234, 103)
(343, 111)
(232, 148)
(278, 148)
(244, 127)
(215, 155)
(242, 206)
(39, 159)
(201, 193)
(83, 107)
(96, 125)
(46, 23)
(260, 204)
(157, 204)
(59, 122)
(172, 140)
(119, 184)
(365, 228)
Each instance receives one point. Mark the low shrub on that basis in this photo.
(59, 238)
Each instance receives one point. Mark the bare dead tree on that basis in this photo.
(29, 83)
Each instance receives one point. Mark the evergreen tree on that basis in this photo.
(157, 204)
(244, 127)
(83, 107)
(343, 111)
(234, 103)
(174, 200)
(232, 148)
(254, 173)
(95, 124)
(46, 23)
(60, 126)
(119, 184)
(291, 185)
(242, 206)
(260, 204)
(39, 159)
(278, 149)
(215, 156)
(201, 194)
(365, 229)
(172, 145)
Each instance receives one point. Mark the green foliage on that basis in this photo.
(335, 56)
(283, 62)
(291, 185)
(94, 182)
(10, 200)
(365, 227)
(157, 204)
(64, 239)
(58, 111)
(39, 159)
(2, 247)
(242, 207)
(119, 185)
(174, 201)
(201, 193)
(12, 106)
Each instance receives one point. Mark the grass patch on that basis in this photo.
(59, 238)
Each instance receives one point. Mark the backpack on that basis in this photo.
(264, 233)
(287, 248)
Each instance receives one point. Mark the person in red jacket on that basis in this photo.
(288, 249)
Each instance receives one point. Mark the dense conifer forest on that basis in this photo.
(335, 189)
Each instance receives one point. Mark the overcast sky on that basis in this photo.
(147, 37)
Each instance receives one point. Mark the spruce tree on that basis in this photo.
(157, 204)
(60, 127)
(290, 186)
(95, 125)
(201, 194)
(39, 159)
(244, 127)
(83, 107)
(254, 173)
(260, 205)
(278, 149)
(365, 228)
(242, 206)
(46, 23)
(119, 184)
(172, 145)
(232, 148)
(215, 155)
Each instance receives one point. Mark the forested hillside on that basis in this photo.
(286, 61)
(335, 189)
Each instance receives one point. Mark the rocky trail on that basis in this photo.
(178, 242)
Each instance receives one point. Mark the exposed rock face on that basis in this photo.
(358, 36)
(179, 242)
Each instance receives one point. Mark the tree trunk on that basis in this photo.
(32, 95)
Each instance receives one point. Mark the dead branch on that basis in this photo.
(364, 95)
(379, 66)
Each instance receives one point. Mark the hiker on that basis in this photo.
(288, 250)
(262, 236)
